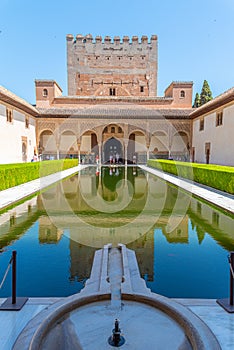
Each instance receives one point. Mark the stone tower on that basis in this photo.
(112, 68)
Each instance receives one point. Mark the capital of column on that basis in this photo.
(125, 142)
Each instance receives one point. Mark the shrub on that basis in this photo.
(216, 176)
(15, 174)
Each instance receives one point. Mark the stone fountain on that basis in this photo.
(116, 294)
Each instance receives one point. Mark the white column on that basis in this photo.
(126, 152)
(57, 146)
(78, 147)
(100, 153)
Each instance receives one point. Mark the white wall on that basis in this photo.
(85, 143)
(11, 136)
(68, 141)
(140, 145)
(48, 143)
(220, 138)
(159, 142)
(179, 143)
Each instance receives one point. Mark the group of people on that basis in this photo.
(114, 158)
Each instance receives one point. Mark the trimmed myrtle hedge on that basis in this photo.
(216, 176)
(15, 174)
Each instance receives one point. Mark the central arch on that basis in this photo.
(112, 151)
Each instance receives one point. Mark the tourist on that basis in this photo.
(111, 158)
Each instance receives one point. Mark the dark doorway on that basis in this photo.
(94, 143)
(193, 154)
(207, 152)
(131, 148)
(113, 151)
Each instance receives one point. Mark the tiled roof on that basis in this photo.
(9, 97)
(117, 111)
(104, 110)
(218, 101)
(119, 99)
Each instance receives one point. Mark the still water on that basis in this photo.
(181, 243)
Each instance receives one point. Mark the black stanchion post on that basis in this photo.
(14, 277)
(227, 304)
(13, 303)
(231, 262)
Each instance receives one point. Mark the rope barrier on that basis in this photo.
(7, 270)
(13, 303)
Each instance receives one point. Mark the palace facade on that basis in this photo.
(112, 111)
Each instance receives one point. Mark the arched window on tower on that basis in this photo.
(182, 93)
(45, 93)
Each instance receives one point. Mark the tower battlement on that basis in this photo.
(112, 66)
(83, 39)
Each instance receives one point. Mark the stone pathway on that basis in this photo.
(15, 194)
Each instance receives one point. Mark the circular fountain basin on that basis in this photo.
(146, 322)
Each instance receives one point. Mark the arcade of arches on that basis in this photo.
(113, 142)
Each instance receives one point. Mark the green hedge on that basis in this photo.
(216, 176)
(15, 174)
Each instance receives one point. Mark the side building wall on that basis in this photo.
(17, 135)
(212, 139)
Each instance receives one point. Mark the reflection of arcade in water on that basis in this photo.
(82, 199)
(92, 225)
(112, 205)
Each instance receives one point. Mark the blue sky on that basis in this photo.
(195, 38)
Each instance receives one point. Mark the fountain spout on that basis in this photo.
(116, 339)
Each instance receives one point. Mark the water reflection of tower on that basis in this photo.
(48, 232)
(144, 249)
(81, 260)
(179, 233)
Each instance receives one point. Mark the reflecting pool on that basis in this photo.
(181, 243)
